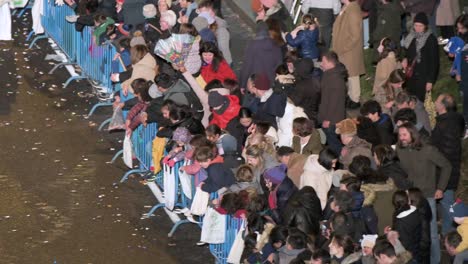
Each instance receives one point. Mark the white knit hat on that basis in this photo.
(170, 17)
(149, 11)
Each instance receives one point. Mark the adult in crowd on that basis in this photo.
(422, 58)
(347, 43)
(294, 161)
(421, 161)
(382, 122)
(405, 101)
(353, 145)
(332, 98)
(325, 12)
(307, 88)
(447, 138)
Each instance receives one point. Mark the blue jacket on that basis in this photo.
(306, 41)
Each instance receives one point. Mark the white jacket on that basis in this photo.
(317, 177)
(323, 4)
(285, 124)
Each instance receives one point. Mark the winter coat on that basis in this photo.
(296, 168)
(416, 6)
(307, 89)
(425, 71)
(194, 61)
(232, 110)
(272, 107)
(219, 176)
(425, 213)
(269, 162)
(379, 198)
(385, 130)
(284, 83)
(281, 14)
(388, 22)
(224, 72)
(286, 255)
(333, 95)
(354, 258)
(178, 93)
(318, 178)
(355, 147)
(409, 227)
(384, 68)
(285, 124)
(238, 131)
(447, 138)
(347, 40)
(145, 69)
(393, 170)
(306, 42)
(421, 166)
(223, 38)
(313, 146)
(447, 12)
(284, 191)
(262, 55)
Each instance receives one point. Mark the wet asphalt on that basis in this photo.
(60, 197)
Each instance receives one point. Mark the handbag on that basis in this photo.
(410, 70)
(238, 245)
(214, 227)
(128, 151)
(200, 202)
(169, 187)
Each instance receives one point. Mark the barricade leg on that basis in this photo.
(107, 121)
(30, 35)
(154, 208)
(91, 112)
(120, 152)
(60, 65)
(73, 78)
(45, 36)
(21, 13)
(130, 172)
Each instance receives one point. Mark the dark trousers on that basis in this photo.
(326, 19)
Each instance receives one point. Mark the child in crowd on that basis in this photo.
(182, 137)
(219, 175)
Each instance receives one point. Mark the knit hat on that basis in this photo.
(208, 17)
(346, 127)
(215, 99)
(182, 134)
(137, 39)
(368, 240)
(262, 82)
(256, 5)
(170, 17)
(207, 35)
(269, 3)
(421, 18)
(277, 174)
(149, 11)
(200, 23)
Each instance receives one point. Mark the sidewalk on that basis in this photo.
(242, 8)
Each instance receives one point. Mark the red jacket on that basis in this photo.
(224, 72)
(231, 112)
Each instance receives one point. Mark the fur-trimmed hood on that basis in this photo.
(370, 191)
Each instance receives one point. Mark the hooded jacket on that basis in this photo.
(271, 109)
(378, 197)
(333, 95)
(307, 91)
(145, 69)
(393, 170)
(409, 227)
(224, 72)
(262, 55)
(219, 176)
(231, 111)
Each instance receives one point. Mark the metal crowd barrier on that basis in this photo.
(142, 140)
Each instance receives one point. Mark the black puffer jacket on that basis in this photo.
(408, 224)
(307, 92)
(394, 171)
(447, 138)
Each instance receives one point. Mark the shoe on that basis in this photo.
(353, 105)
(72, 18)
(181, 210)
(200, 243)
(190, 218)
(442, 41)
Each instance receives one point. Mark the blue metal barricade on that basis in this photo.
(142, 140)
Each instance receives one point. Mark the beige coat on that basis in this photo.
(447, 12)
(145, 68)
(384, 68)
(347, 39)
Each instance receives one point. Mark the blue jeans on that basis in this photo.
(435, 244)
(447, 217)
(334, 143)
(365, 28)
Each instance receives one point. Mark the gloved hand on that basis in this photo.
(171, 163)
(166, 159)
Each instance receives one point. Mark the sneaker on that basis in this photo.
(442, 41)
(200, 243)
(190, 218)
(72, 18)
(181, 210)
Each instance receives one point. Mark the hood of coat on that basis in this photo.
(370, 191)
(312, 165)
(304, 69)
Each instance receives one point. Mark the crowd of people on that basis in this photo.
(320, 175)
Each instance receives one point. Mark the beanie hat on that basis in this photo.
(149, 11)
(262, 82)
(137, 39)
(277, 174)
(200, 23)
(170, 17)
(256, 5)
(421, 18)
(346, 127)
(207, 35)
(368, 240)
(182, 134)
(208, 17)
(215, 99)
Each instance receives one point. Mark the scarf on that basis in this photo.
(420, 38)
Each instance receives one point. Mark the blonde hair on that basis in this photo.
(264, 142)
(137, 53)
(244, 173)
